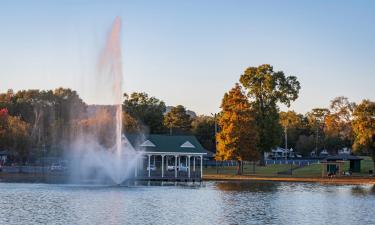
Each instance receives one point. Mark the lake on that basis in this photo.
(168, 203)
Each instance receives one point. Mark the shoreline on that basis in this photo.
(336, 180)
(60, 178)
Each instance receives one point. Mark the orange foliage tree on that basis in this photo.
(237, 139)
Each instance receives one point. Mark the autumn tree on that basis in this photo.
(14, 135)
(266, 89)
(364, 128)
(149, 111)
(178, 120)
(237, 139)
(130, 124)
(100, 126)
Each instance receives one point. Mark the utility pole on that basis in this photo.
(286, 137)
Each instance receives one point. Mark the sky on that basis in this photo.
(191, 52)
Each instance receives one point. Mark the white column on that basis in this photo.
(162, 166)
(175, 166)
(188, 166)
(136, 168)
(201, 166)
(149, 169)
(194, 163)
(179, 162)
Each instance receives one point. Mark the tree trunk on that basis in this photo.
(239, 163)
(373, 160)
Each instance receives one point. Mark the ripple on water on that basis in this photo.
(211, 203)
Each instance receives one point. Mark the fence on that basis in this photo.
(228, 163)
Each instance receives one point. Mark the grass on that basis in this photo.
(313, 170)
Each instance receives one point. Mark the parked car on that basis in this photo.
(170, 168)
(183, 168)
(57, 167)
(152, 168)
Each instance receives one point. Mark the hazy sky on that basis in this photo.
(191, 52)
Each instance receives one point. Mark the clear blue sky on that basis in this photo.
(191, 52)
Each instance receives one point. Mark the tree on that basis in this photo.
(305, 144)
(100, 126)
(178, 120)
(149, 111)
(19, 136)
(290, 121)
(237, 139)
(364, 128)
(203, 127)
(14, 134)
(266, 88)
(130, 124)
(338, 128)
(316, 119)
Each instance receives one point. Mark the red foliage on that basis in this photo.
(4, 114)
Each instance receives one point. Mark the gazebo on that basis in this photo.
(168, 157)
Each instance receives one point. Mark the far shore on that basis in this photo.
(336, 180)
(60, 178)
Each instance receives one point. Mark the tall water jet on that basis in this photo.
(110, 65)
(100, 151)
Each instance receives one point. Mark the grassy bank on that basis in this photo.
(310, 171)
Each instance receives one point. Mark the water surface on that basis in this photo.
(209, 203)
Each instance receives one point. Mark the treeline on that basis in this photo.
(34, 122)
(37, 123)
(251, 122)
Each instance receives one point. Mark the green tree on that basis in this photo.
(237, 139)
(290, 121)
(266, 88)
(338, 128)
(364, 128)
(149, 111)
(316, 118)
(305, 144)
(178, 121)
(203, 127)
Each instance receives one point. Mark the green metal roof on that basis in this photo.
(166, 143)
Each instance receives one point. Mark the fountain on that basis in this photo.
(99, 152)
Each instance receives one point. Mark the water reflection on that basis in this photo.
(363, 190)
(177, 203)
(248, 186)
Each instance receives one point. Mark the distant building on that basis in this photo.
(4, 154)
(281, 153)
(345, 150)
(323, 153)
(334, 164)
